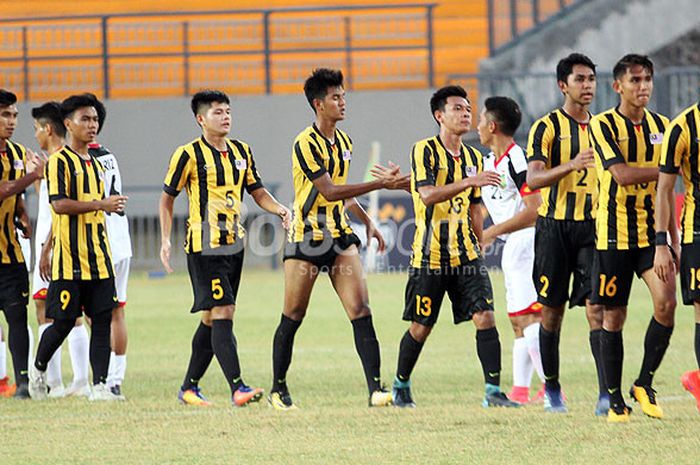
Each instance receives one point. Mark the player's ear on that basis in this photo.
(616, 85)
(562, 86)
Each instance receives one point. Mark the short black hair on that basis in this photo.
(566, 65)
(439, 98)
(316, 86)
(630, 60)
(7, 98)
(50, 113)
(72, 103)
(505, 112)
(100, 108)
(202, 100)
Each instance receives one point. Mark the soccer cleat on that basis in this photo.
(22, 392)
(646, 397)
(520, 394)
(7, 389)
(193, 396)
(554, 401)
(380, 398)
(619, 413)
(603, 405)
(497, 398)
(100, 392)
(401, 394)
(245, 395)
(117, 391)
(281, 400)
(539, 397)
(78, 389)
(57, 392)
(691, 382)
(38, 390)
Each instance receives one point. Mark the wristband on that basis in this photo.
(661, 238)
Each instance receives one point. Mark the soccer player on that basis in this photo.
(681, 152)
(120, 244)
(82, 276)
(446, 177)
(6, 389)
(628, 141)
(214, 170)
(321, 239)
(560, 164)
(513, 209)
(19, 168)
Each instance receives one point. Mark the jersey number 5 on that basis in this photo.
(216, 290)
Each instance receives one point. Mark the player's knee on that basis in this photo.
(614, 320)
(16, 315)
(664, 311)
(361, 310)
(484, 320)
(64, 326)
(419, 332)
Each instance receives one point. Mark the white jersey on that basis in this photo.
(117, 225)
(505, 201)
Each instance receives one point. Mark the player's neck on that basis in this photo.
(635, 114)
(55, 145)
(216, 141)
(3, 144)
(576, 111)
(451, 140)
(326, 127)
(81, 148)
(500, 144)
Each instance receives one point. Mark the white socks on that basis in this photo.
(117, 368)
(522, 365)
(3, 359)
(53, 369)
(79, 347)
(30, 356)
(532, 336)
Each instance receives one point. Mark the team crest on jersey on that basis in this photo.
(19, 165)
(241, 164)
(471, 171)
(347, 155)
(656, 138)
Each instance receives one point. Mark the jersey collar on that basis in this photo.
(318, 131)
(498, 160)
(214, 149)
(461, 148)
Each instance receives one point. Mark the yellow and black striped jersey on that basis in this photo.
(681, 151)
(80, 249)
(556, 139)
(444, 237)
(625, 217)
(12, 161)
(214, 181)
(312, 156)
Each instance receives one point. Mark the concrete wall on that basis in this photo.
(144, 133)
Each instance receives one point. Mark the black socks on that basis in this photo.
(224, 347)
(282, 347)
(409, 350)
(488, 347)
(367, 348)
(549, 351)
(201, 356)
(655, 345)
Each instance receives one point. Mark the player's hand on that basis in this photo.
(36, 163)
(114, 203)
(25, 226)
(45, 262)
(373, 232)
(488, 237)
(676, 248)
(583, 160)
(391, 177)
(286, 216)
(664, 264)
(485, 178)
(165, 255)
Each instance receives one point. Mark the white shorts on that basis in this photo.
(517, 261)
(121, 278)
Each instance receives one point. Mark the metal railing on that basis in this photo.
(512, 19)
(243, 51)
(675, 88)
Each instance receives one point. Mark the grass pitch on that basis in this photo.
(333, 424)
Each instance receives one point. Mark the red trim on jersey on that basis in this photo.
(534, 307)
(583, 126)
(525, 191)
(94, 145)
(40, 294)
(498, 160)
(121, 304)
(223, 153)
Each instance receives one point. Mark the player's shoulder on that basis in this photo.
(344, 135)
(309, 133)
(239, 144)
(548, 118)
(430, 143)
(17, 147)
(604, 117)
(516, 157)
(658, 118)
(682, 118)
(188, 148)
(98, 150)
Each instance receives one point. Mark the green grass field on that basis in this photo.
(333, 424)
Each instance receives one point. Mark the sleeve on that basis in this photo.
(604, 143)
(56, 178)
(674, 147)
(179, 172)
(517, 170)
(475, 195)
(309, 159)
(252, 177)
(422, 169)
(539, 142)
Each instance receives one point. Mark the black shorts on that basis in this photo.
(690, 273)
(70, 299)
(14, 285)
(563, 248)
(321, 253)
(613, 271)
(468, 287)
(215, 279)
